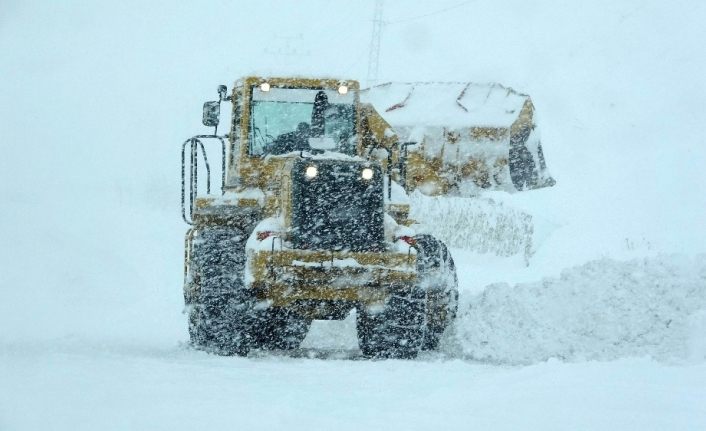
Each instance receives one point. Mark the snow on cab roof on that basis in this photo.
(447, 104)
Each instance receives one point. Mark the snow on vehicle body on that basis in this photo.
(307, 228)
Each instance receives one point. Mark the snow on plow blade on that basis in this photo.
(468, 136)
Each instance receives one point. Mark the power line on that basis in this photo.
(412, 18)
(374, 51)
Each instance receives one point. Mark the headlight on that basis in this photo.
(265, 86)
(311, 171)
(343, 89)
(367, 174)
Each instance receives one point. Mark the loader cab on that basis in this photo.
(279, 118)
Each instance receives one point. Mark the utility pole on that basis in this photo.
(285, 46)
(374, 52)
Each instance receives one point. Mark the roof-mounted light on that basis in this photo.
(265, 86)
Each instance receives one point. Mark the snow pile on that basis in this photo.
(479, 224)
(601, 310)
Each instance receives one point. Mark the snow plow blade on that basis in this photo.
(468, 136)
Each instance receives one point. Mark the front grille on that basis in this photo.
(337, 209)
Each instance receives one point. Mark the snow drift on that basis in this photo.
(601, 310)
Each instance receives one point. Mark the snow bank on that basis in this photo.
(601, 310)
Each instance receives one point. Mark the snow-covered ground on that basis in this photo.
(128, 386)
(604, 329)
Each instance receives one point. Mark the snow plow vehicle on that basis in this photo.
(308, 225)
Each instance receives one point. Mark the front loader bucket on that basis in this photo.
(469, 136)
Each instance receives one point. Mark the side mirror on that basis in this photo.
(222, 90)
(211, 114)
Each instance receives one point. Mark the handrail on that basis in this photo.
(196, 144)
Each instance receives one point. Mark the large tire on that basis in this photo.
(415, 320)
(284, 330)
(223, 318)
(437, 277)
(396, 331)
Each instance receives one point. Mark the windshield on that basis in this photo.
(283, 120)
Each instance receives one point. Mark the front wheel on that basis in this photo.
(283, 330)
(397, 330)
(437, 277)
(223, 318)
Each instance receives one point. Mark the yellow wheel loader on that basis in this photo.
(310, 223)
